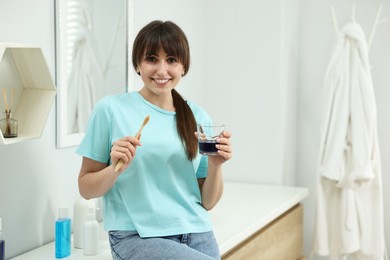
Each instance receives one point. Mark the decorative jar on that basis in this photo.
(9, 125)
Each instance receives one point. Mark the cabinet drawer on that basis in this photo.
(281, 239)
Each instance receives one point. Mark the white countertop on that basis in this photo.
(243, 210)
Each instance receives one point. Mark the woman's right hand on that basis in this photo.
(124, 149)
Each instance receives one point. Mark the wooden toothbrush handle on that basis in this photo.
(137, 135)
(119, 165)
(121, 162)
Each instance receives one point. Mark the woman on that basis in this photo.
(155, 206)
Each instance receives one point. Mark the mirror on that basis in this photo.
(91, 60)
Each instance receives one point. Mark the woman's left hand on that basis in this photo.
(224, 147)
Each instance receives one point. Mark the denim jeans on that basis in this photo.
(127, 245)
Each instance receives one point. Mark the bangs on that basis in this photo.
(166, 41)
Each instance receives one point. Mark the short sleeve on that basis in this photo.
(96, 143)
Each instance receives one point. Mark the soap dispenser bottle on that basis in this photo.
(91, 233)
(2, 242)
(63, 233)
(80, 213)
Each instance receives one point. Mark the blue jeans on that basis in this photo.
(126, 245)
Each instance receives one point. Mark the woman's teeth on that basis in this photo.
(161, 81)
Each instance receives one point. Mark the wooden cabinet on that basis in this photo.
(281, 239)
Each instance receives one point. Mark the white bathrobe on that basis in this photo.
(349, 216)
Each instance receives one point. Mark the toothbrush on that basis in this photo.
(137, 135)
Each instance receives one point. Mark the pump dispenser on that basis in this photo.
(91, 233)
(2, 242)
(80, 210)
(63, 232)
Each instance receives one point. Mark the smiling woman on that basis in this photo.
(186, 183)
(91, 43)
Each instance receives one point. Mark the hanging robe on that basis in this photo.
(349, 213)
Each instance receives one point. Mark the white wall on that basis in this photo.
(35, 177)
(249, 67)
(316, 39)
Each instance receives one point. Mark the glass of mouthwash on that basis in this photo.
(208, 135)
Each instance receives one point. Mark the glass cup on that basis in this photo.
(207, 138)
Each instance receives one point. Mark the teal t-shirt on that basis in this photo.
(158, 194)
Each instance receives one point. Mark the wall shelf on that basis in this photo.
(24, 68)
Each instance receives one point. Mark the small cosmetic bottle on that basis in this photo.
(91, 233)
(2, 242)
(63, 233)
(80, 215)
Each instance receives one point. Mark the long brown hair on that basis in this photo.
(168, 36)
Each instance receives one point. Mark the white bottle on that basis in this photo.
(80, 209)
(91, 234)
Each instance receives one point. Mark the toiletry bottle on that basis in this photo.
(80, 214)
(2, 242)
(91, 234)
(63, 230)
